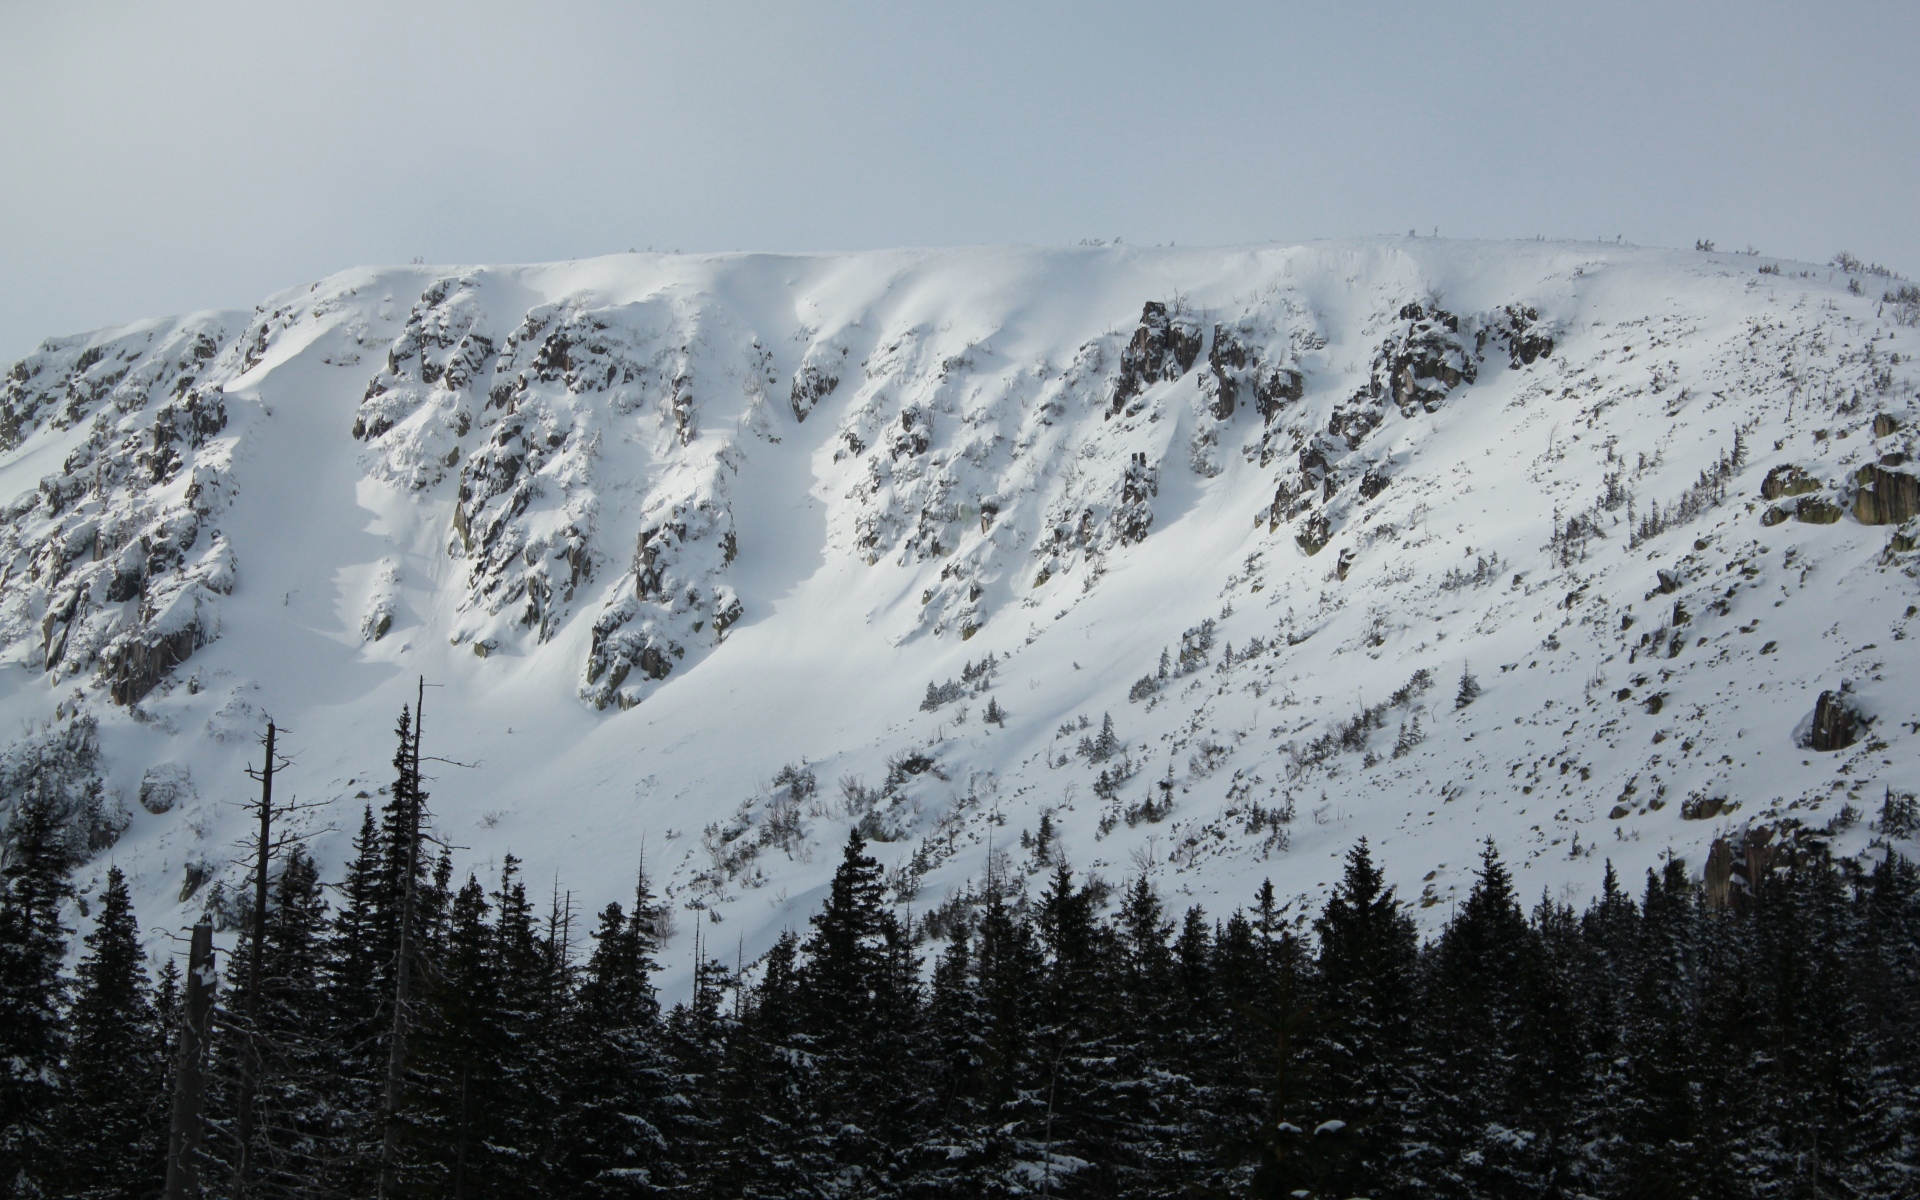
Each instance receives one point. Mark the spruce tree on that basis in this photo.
(1551, 1034)
(357, 960)
(859, 997)
(738, 1117)
(301, 1136)
(1298, 1146)
(1367, 974)
(984, 1075)
(1609, 933)
(1068, 1026)
(1138, 1098)
(33, 1037)
(1661, 1122)
(114, 1122)
(448, 1120)
(1472, 1004)
(615, 1087)
(954, 1154)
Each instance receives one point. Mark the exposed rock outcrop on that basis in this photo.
(1835, 723)
(1885, 497)
(1414, 369)
(1817, 510)
(1787, 480)
(811, 385)
(116, 550)
(1518, 328)
(1164, 346)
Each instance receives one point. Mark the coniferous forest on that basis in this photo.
(401, 1032)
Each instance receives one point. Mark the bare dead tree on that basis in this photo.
(190, 1069)
(264, 846)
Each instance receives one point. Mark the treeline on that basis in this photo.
(1753, 1037)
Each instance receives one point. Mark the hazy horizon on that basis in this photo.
(205, 156)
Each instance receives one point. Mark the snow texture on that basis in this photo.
(679, 539)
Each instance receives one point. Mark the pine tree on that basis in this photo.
(357, 958)
(1609, 932)
(611, 1141)
(114, 1126)
(1661, 1122)
(1822, 1111)
(483, 1083)
(1125, 1096)
(300, 1138)
(401, 919)
(530, 977)
(33, 944)
(1472, 1005)
(953, 1158)
(859, 998)
(1006, 982)
(739, 1113)
(1469, 689)
(447, 1121)
(1296, 1146)
(1367, 975)
(1069, 1020)
(1550, 1041)
(1889, 990)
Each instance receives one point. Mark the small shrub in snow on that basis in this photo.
(1469, 689)
(1195, 645)
(1486, 569)
(1103, 747)
(941, 693)
(1899, 815)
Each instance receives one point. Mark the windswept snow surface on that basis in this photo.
(654, 528)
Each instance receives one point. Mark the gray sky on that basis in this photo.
(157, 158)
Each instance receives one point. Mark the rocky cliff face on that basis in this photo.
(673, 528)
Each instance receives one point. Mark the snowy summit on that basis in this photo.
(1191, 563)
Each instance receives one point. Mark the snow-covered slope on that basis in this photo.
(692, 547)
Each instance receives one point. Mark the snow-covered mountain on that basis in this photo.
(1184, 553)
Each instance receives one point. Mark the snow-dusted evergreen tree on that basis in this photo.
(1661, 1121)
(1368, 972)
(33, 1035)
(300, 1134)
(483, 1087)
(358, 991)
(1067, 1027)
(1749, 1044)
(1472, 1008)
(748, 1129)
(1006, 982)
(450, 1113)
(860, 998)
(1143, 1097)
(615, 1083)
(1469, 689)
(955, 1151)
(113, 1127)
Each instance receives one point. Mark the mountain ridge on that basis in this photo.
(710, 530)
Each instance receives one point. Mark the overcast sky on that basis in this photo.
(157, 158)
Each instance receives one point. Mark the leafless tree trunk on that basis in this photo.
(250, 1053)
(189, 1072)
